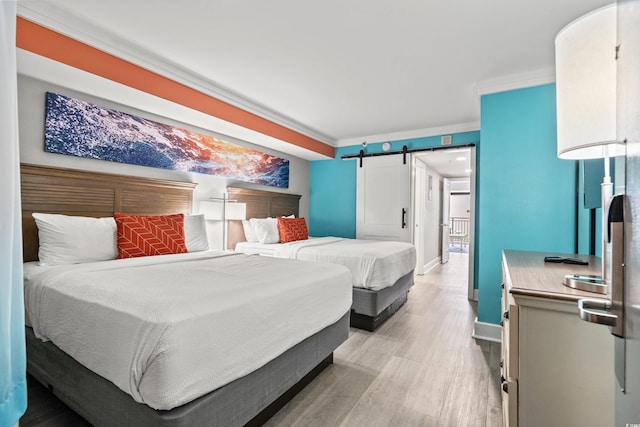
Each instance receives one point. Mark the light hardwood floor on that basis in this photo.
(421, 368)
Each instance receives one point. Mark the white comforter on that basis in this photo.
(373, 264)
(171, 328)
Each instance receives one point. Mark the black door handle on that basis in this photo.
(404, 214)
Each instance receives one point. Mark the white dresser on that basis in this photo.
(557, 370)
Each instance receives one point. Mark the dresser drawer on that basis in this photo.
(510, 330)
(510, 403)
(509, 321)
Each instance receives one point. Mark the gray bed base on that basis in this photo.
(370, 309)
(249, 400)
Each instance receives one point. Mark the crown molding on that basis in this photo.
(410, 134)
(516, 81)
(64, 23)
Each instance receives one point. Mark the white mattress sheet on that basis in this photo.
(255, 248)
(168, 329)
(373, 264)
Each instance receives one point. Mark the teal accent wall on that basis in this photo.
(332, 184)
(598, 232)
(584, 228)
(590, 196)
(526, 195)
(593, 171)
(332, 197)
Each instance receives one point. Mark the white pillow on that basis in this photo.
(266, 229)
(75, 239)
(249, 234)
(195, 233)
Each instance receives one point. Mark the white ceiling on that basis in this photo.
(341, 71)
(449, 163)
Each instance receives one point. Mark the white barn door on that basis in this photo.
(383, 206)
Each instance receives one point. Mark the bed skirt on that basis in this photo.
(370, 309)
(249, 400)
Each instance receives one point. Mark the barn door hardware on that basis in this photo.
(405, 150)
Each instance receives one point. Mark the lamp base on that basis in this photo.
(586, 282)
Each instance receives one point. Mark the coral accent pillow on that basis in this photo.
(139, 235)
(292, 229)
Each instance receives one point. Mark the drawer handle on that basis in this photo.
(584, 306)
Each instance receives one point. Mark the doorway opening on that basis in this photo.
(459, 211)
(444, 208)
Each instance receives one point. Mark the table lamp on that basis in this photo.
(586, 107)
(223, 209)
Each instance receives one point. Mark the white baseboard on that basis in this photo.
(431, 264)
(487, 331)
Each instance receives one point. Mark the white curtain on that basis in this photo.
(13, 385)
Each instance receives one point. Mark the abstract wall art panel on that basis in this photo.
(82, 129)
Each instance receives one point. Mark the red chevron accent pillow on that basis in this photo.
(292, 229)
(140, 235)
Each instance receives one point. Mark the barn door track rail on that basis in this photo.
(405, 150)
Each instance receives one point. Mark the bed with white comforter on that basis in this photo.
(168, 329)
(374, 265)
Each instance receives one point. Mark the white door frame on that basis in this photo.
(419, 178)
(472, 294)
(445, 213)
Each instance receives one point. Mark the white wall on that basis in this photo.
(432, 213)
(460, 205)
(31, 103)
(460, 185)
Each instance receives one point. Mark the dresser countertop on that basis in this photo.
(531, 276)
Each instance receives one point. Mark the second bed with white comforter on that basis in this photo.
(373, 264)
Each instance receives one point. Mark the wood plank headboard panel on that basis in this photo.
(49, 189)
(260, 204)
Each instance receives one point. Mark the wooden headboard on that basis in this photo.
(50, 189)
(260, 204)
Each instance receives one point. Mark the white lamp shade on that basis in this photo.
(236, 211)
(223, 210)
(212, 210)
(586, 86)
